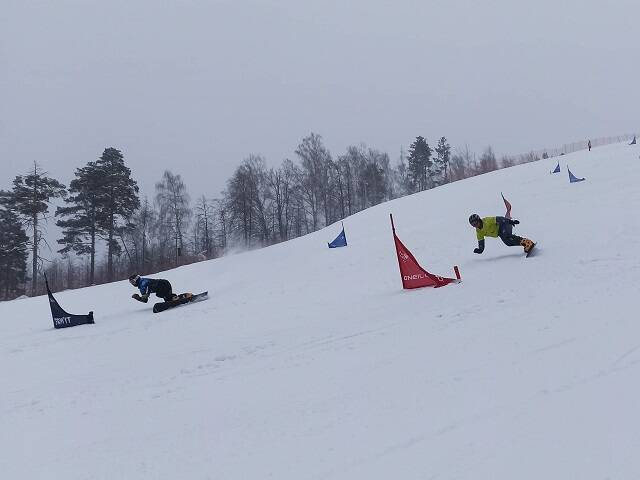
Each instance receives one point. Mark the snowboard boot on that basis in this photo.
(527, 244)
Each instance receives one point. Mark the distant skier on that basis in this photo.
(589, 145)
(162, 288)
(498, 227)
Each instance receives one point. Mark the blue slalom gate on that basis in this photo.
(340, 241)
(573, 178)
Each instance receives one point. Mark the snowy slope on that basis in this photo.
(310, 363)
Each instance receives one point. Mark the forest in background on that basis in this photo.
(109, 231)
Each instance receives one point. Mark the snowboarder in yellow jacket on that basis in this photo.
(498, 227)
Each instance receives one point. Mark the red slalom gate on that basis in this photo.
(412, 274)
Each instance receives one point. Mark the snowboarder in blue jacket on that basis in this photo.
(162, 288)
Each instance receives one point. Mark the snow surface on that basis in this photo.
(311, 363)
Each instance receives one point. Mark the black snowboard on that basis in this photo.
(532, 251)
(182, 299)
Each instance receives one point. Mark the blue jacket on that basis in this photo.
(146, 285)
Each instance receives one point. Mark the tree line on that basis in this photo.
(109, 231)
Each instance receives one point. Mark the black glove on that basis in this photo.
(514, 222)
(477, 250)
(142, 299)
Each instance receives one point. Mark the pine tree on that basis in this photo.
(30, 198)
(14, 244)
(420, 164)
(443, 156)
(117, 199)
(81, 228)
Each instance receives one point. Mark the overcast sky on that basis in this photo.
(196, 86)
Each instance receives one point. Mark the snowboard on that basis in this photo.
(182, 299)
(532, 251)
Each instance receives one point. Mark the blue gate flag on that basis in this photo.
(573, 178)
(633, 142)
(557, 169)
(340, 241)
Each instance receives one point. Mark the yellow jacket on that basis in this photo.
(489, 228)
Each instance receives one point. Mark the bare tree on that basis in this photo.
(463, 164)
(487, 162)
(529, 157)
(282, 185)
(238, 204)
(174, 209)
(351, 165)
(143, 221)
(315, 160)
(373, 177)
(339, 187)
(260, 196)
(204, 225)
(221, 218)
(401, 180)
(507, 161)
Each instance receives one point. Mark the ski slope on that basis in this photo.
(310, 363)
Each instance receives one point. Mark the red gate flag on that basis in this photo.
(508, 205)
(412, 274)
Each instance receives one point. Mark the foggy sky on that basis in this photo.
(196, 86)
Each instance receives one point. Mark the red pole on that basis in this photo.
(455, 269)
(393, 227)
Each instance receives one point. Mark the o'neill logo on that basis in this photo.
(62, 321)
(415, 276)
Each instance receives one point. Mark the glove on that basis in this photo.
(142, 299)
(514, 222)
(477, 250)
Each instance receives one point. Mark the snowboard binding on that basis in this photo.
(527, 244)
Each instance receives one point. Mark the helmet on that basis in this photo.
(133, 279)
(474, 219)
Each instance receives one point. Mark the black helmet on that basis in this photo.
(474, 219)
(133, 279)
